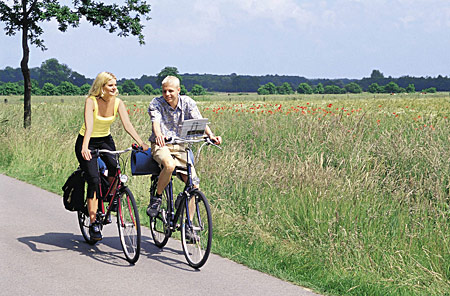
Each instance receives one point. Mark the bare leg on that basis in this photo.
(92, 204)
(165, 175)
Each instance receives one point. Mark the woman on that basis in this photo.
(100, 110)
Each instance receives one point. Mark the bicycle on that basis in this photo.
(120, 200)
(177, 216)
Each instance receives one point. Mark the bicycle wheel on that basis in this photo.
(159, 225)
(197, 248)
(83, 221)
(129, 226)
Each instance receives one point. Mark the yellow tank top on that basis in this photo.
(102, 125)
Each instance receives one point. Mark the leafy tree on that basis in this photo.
(198, 90)
(304, 88)
(391, 87)
(84, 89)
(374, 88)
(129, 87)
(262, 90)
(148, 89)
(429, 90)
(333, 89)
(353, 88)
(183, 90)
(319, 89)
(376, 74)
(270, 88)
(68, 89)
(26, 16)
(10, 88)
(410, 88)
(285, 89)
(49, 89)
(167, 71)
(54, 72)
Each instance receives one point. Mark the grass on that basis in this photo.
(345, 194)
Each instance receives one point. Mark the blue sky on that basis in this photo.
(314, 39)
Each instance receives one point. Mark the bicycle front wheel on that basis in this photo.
(84, 221)
(196, 234)
(129, 225)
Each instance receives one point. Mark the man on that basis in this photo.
(167, 114)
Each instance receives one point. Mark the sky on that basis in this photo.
(310, 38)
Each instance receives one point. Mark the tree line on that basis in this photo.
(54, 78)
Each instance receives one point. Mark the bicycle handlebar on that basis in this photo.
(178, 140)
(98, 151)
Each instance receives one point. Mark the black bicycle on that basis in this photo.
(120, 200)
(190, 213)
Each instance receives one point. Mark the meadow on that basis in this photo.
(344, 194)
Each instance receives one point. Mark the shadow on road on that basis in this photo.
(167, 255)
(111, 254)
(57, 242)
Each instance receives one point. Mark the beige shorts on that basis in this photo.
(178, 153)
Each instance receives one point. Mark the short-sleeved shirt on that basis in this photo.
(170, 119)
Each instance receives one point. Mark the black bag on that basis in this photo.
(142, 163)
(73, 197)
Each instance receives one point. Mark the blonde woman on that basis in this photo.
(100, 110)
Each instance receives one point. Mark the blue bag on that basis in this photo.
(142, 163)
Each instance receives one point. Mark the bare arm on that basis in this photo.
(89, 124)
(216, 140)
(128, 126)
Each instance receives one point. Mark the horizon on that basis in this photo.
(342, 39)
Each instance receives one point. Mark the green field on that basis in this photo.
(344, 194)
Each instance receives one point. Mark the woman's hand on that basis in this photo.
(144, 147)
(86, 153)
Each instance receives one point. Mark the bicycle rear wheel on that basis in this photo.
(159, 225)
(197, 249)
(129, 226)
(84, 221)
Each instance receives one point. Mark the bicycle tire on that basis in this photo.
(159, 227)
(83, 222)
(128, 225)
(197, 251)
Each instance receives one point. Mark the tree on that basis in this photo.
(198, 90)
(167, 71)
(410, 88)
(333, 89)
(353, 88)
(148, 89)
(391, 87)
(10, 88)
(129, 87)
(319, 89)
(84, 89)
(304, 88)
(376, 74)
(49, 89)
(374, 88)
(54, 72)
(183, 90)
(26, 16)
(285, 89)
(68, 89)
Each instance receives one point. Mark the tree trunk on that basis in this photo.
(25, 69)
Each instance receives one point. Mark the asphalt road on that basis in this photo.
(42, 252)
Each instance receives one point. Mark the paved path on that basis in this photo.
(42, 252)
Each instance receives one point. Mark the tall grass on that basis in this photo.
(348, 195)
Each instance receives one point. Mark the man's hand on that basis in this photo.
(216, 140)
(160, 141)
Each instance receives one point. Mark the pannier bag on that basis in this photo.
(142, 163)
(73, 197)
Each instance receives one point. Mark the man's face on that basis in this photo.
(170, 94)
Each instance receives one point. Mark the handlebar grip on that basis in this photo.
(135, 146)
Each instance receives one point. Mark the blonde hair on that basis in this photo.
(171, 80)
(100, 81)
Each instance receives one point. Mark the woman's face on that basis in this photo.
(110, 88)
